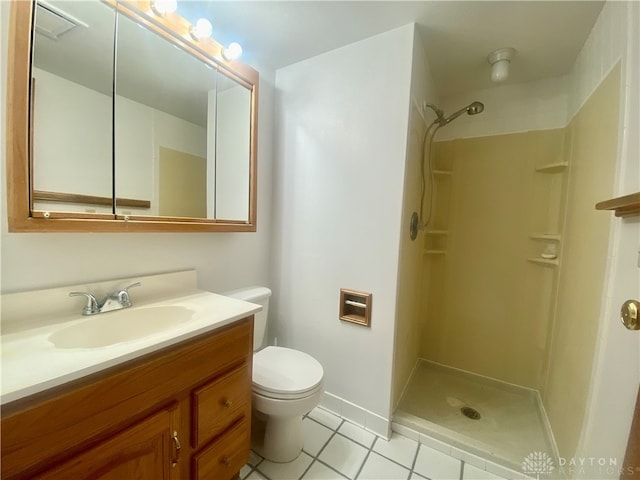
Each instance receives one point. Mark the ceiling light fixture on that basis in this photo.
(201, 29)
(232, 52)
(164, 7)
(499, 60)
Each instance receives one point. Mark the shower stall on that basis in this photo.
(485, 243)
(502, 272)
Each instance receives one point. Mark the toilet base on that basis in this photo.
(282, 439)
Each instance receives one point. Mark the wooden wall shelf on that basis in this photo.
(625, 206)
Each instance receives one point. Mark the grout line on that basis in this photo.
(330, 467)
(366, 457)
(415, 459)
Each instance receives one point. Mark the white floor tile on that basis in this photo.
(357, 434)
(245, 471)
(320, 471)
(399, 449)
(328, 419)
(474, 473)
(377, 467)
(254, 459)
(437, 465)
(415, 476)
(286, 471)
(315, 436)
(255, 476)
(344, 455)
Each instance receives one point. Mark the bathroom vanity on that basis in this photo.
(169, 405)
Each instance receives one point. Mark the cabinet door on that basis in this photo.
(144, 451)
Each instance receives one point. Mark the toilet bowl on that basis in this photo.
(286, 385)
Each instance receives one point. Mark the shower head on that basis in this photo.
(471, 109)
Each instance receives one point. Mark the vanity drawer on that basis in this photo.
(224, 458)
(219, 403)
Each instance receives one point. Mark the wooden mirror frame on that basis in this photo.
(174, 28)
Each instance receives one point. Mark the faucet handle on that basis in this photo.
(91, 308)
(123, 295)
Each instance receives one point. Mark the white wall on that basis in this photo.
(340, 157)
(223, 261)
(616, 375)
(409, 294)
(519, 107)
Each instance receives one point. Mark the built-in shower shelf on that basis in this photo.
(553, 167)
(437, 232)
(546, 237)
(435, 252)
(444, 173)
(544, 261)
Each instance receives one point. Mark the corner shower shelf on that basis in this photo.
(442, 172)
(546, 237)
(552, 167)
(544, 261)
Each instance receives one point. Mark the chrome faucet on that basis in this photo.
(113, 301)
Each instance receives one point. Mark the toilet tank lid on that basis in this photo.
(249, 294)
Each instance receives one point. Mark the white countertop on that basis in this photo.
(31, 363)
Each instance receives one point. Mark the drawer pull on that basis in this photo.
(176, 448)
(226, 461)
(227, 403)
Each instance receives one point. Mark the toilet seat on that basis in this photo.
(286, 374)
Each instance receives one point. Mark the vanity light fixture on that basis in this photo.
(164, 7)
(201, 29)
(232, 52)
(499, 60)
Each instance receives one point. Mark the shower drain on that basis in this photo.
(471, 413)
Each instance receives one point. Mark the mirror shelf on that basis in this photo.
(23, 216)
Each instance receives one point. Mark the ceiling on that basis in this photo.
(457, 35)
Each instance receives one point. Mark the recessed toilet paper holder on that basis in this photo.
(355, 307)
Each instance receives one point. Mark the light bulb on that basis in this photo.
(163, 7)
(232, 52)
(202, 29)
(500, 70)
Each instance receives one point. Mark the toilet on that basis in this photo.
(287, 384)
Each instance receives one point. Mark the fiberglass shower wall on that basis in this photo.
(498, 209)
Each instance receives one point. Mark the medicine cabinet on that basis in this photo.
(121, 120)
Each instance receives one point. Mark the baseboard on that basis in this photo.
(356, 414)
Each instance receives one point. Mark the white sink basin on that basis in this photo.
(120, 326)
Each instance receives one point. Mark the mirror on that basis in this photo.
(168, 143)
(72, 107)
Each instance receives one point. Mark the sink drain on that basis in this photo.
(471, 413)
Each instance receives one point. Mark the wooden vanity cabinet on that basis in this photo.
(180, 413)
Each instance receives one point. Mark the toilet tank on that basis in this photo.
(259, 295)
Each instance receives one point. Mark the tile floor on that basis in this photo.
(336, 449)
